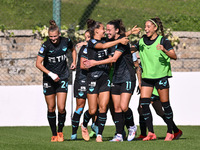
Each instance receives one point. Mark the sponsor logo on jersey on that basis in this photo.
(102, 53)
(57, 58)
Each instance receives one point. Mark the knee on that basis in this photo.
(102, 109)
(117, 109)
(92, 111)
(51, 108)
(124, 108)
(61, 110)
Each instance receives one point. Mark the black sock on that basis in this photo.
(75, 122)
(146, 112)
(119, 122)
(51, 116)
(168, 116)
(143, 128)
(61, 121)
(97, 119)
(175, 128)
(86, 118)
(101, 122)
(129, 118)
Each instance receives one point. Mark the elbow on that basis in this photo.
(37, 65)
(175, 58)
(83, 67)
(104, 47)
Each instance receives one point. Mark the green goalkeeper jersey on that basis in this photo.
(155, 63)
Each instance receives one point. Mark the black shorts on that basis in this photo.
(102, 84)
(51, 87)
(80, 89)
(161, 83)
(125, 87)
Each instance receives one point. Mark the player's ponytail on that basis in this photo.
(160, 26)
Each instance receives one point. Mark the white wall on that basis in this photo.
(25, 105)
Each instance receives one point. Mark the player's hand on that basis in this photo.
(160, 47)
(124, 40)
(81, 44)
(136, 30)
(73, 66)
(138, 90)
(54, 76)
(89, 63)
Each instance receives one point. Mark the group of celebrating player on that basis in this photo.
(105, 76)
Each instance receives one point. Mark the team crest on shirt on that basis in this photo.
(64, 48)
(85, 51)
(93, 41)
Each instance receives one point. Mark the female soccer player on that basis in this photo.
(80, 92)
(51, 60)
(98, 83)
(155, 53)
(123, 83)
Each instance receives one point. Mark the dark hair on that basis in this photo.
(53, 26)
(159, 24)
(92, 25)
(118, 24)
(86, 31)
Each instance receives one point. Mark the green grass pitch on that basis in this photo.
(38, 138)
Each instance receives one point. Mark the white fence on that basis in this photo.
(25, 105)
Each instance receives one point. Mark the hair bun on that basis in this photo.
(52, 22)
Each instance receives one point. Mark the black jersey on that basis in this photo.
(55, 57)
(124, 67)
(164, 41)
(81, 74)
(96, 54)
